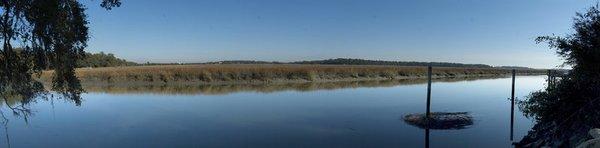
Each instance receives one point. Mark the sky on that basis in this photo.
(494, 32)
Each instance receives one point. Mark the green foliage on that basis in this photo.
(51, 32)
(346, 61)
(566, 110)
(581, 49)
(245, 62)
(102, 60)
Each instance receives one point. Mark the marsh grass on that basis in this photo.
(249, 73)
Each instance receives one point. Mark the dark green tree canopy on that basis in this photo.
(565, 111)
(49, 32)
(582, 48)
(103, 60)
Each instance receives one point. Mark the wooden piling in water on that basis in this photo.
(427, 138)
(512, 105)
(429, 69)
(428, 112)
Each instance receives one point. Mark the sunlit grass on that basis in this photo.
(267, 73)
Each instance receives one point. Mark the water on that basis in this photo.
(366, 114)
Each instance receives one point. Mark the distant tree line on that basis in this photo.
(349, 61)
(109, 60)
(245, 62)
(103, 60)
(100, 59)
(519, 67)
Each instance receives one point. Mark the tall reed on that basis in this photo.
(215, 73)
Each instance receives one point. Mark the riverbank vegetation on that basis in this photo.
(88, 59)
(103, 60)
(261, 73)
(350, 61)
(567, 109)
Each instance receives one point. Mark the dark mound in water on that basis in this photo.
(440, 120)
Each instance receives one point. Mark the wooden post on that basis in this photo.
(512, 105)
(427, 137)
(428, 112)
(428, 92)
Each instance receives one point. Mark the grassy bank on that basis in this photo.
(261, 73)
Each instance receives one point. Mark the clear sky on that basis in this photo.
(495, 32)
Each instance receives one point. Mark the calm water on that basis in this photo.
(366, 114)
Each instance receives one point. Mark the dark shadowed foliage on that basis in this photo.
(346, 61)
(49, 32)
(349, 61)
(103, 60)
(566, 110)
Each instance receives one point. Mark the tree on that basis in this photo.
(103, 60)
(566, 110)
(50, 32)
(581, 49)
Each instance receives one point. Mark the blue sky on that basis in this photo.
(495, 32)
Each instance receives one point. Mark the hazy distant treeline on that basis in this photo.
(244, 62)
(348, 61)
(95, 60)
(103, 60)
(109, 60)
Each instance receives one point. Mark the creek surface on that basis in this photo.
(338, 114)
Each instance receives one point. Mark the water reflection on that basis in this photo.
(186, 89)
(345, 117)
(15, 100)
(426, 137)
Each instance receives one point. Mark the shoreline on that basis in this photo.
(300, 81)
(270, 74)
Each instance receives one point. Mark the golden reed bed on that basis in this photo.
(252, 73)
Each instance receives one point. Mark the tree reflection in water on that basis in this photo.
(16, 98)
(190, 89)
(18, 101)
